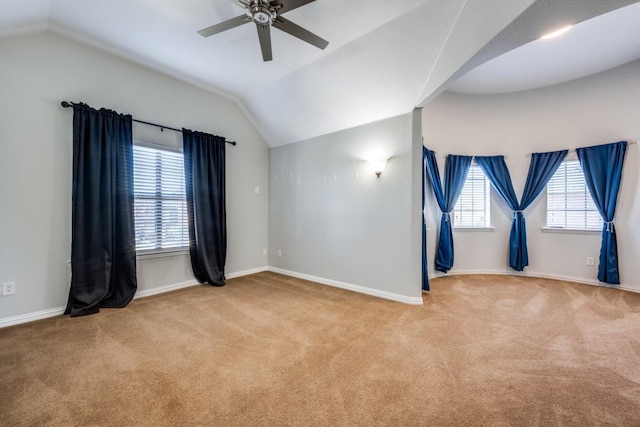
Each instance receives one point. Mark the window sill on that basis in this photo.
(481, 229)
(161, 253)
(570, 231)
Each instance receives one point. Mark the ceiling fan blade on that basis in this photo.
(264, 34)
(299, 32)
(288, 5)
(223, 26)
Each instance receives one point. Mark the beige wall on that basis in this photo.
(332, 219)
(593, 110)
(37, 72)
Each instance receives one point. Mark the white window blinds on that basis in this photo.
(472, 207)
(160, 201)
(569, 202)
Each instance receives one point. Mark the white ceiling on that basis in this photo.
(384, 57)
(592, 46)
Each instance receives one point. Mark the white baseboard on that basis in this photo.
(176, 286)
(350, 287)
(592, 282)
(58, 311)
(246, 272)
(30, 317)
(162, 289)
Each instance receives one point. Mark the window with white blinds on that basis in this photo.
(569, 202)
(472, 207)
(160, 200)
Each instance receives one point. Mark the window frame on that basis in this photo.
(570, 230)
(160, 252)
(487, 202)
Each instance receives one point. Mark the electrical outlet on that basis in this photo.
(8, 288)
(591, 261)
(264, 251)
(279, 253)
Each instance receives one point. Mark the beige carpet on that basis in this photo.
(272, 350)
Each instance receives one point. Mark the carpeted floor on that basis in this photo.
(273, 350)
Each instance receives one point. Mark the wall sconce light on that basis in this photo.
(378, 165)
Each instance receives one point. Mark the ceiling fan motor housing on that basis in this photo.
(262, 14)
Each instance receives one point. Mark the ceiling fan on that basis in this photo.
(266, 13)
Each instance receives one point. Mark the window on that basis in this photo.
(472, 207)
(569, 203)
(160, 201)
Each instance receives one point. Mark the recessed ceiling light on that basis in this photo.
(556, 33)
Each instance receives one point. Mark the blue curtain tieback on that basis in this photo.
(447, 216)
(609, 225)
(515, 213)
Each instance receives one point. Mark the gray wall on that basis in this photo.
(39, 71)
(334, 221)
(593, 110)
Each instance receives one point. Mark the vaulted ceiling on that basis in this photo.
(384, 57)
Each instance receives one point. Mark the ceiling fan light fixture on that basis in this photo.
(556, 33)
(261, 14)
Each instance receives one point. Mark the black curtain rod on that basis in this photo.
(67, 104)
